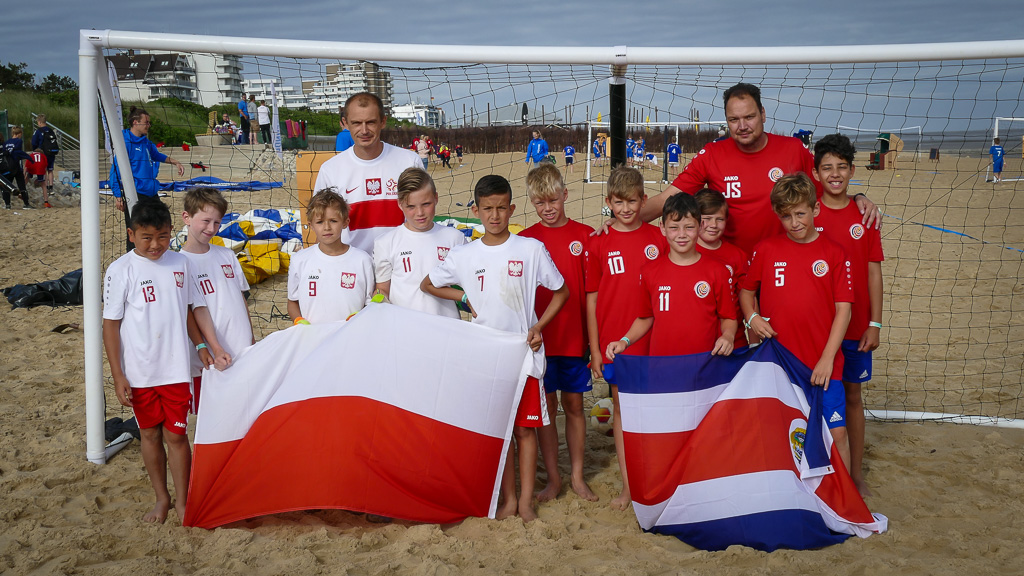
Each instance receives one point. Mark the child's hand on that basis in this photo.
(533, 337)
(761, 328)
(603, 228)
(723, 346)
(206, 357)
(869, 341)
(615, 348)
(471, 309)
(822, 373)
(124, 391)
(222, 360)
(596, 363)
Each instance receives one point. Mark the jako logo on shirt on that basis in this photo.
(515, 268)
(856, 231)
(701, 289)
(775, 173)
(651, 251)
(442, 252)
(348, 280)
(820, 268)
(229, 272)
(179, 279)
(373, 186)
(576, 248)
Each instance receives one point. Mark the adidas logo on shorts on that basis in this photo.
(864, 374)
(835, 417)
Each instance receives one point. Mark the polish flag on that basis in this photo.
(395, 412)
(734, 450)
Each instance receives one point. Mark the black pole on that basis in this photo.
(617, 115)
(664, 156)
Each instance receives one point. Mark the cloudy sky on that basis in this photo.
(45, 34)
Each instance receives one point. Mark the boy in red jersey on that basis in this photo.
(714, 212)
(148, 298)
(685, 289)
(840, 222)
(805, 292)
(566, 336)
(613, 283)
(500, 274)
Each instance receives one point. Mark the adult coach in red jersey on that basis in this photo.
(744, 167)
(366, 175)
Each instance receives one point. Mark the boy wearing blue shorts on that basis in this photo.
(840, 221)
(806, 293)
(997, 152)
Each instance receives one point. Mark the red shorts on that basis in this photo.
(533, 411)
(193, 407)
(167, 405)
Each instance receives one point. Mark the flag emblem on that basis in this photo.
(856, 231)
(179, 279)
(651, 251)
(820, 268)
(442, 252)
(702, 289)
(229, 272)
(775, 173)
(515, 268)
(576, 248)
(348, 280)
(373, 186)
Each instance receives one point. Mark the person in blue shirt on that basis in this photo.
(570, 158)
(638, 152)
(537, 151)
(596, 149)
(344, 140)
(144, 158)
(630, 151)
(673, 156)
(997, 153)
(244, 120)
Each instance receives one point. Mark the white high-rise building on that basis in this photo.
(218, 78)
(288, 97)
(146, 77)
(344, 80)
(426, 115)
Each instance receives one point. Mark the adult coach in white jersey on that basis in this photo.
(366, 175)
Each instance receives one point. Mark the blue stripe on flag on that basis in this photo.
(803, 530)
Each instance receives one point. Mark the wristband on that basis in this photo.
(465, 298)
(875, 325)
(626, 340)
(751, 319)
(200, 346)
(860, 194)
(300, 320)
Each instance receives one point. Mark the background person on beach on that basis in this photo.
(263, 115)
(243, 120)
(10, 168)
(744, 167)
(537, 150)
(344, 140)
(366, 175)
(252, 110)
(997, 153)
(44, 139)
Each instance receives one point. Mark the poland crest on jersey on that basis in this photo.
(515, 268)
(373, 187)
(348, 280)
(229, 272)
(442, 252)
(179, 279)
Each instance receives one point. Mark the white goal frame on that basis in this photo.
(92, 77)
(591, 126)
(995, 134)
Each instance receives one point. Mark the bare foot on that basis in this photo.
(179, 507)
(158, 514)
(621, 502)
(582, 490)
(862, 487)
(551, 491)
(507, 509)
(526, 512)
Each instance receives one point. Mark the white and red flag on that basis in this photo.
(396, 412)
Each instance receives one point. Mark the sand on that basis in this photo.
(952, 492)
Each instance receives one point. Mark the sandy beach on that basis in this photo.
(952, 493)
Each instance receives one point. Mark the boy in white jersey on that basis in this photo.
(330, 280)
(403, 256)
(146, 300)
(217, 273)
(500, 274)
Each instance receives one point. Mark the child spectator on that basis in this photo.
(500, 274)
(840, 221)
(217, 273)
(685, 289)
(612, 285)
(35, 165)
(570, 158)
(674, 152)
(458, 153)
(13, 177)
(596, 150)
(44, 140)
(330, 280)
(805, 291)
(997, 153)
(714, 211)
(403, 256)
(566, 335)
(146, 310)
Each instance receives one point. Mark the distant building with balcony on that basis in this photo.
(343, 80)
(426, 115)
(218, 78)
(146, 77)
(288, 97)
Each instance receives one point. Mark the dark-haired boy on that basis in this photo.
(714, 214)
(148, 296)
(500, 274)
(805, 293)
(839, 220)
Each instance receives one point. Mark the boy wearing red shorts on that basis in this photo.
(147, 297)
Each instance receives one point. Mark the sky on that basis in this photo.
(45, 34)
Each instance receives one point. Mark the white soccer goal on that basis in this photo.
(1010, 132)
(657, 136)
(953, 344)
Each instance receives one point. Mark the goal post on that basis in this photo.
(954, 340)
(668, 130)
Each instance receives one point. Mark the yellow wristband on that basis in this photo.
(300, 320)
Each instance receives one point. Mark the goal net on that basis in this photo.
(953, 341)
(1010, 132)
(649, 147)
